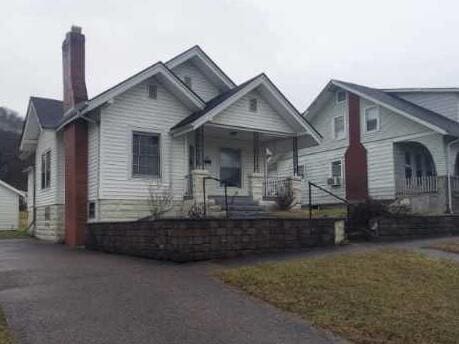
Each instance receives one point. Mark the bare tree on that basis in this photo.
(159, 202)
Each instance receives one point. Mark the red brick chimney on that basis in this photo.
(355, 157)
(75, 140)
(73, 67)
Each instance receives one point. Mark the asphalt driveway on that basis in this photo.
(52, 294)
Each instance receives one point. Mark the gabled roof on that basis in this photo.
(166, 76)
(49, 111)
(9, 187)
(204, 62)
(223, 101)
(428, 118)
(422, 90)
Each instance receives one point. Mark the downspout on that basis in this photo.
(450, 193)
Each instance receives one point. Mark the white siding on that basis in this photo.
(46, 142)
(134, 111)
(9, 209)
(93, 160)
(30, 195)
(446, 104)
(266, 118)
(60, 165)
(201, 85)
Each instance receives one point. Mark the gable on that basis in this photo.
(30, 131)
(266, 118)
(201, 84)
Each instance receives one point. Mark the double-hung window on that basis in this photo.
(46, 170)
(339, 127)
(336, 169)
(145, 155)
(371, 119)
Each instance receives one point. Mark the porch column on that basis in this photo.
(198, 174)
(199, 147)
(256, 178)
(295, 155)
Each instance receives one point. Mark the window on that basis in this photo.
(336, 169)
(145, 154)
(371, 119)
(340, 96)
(230, 167)
(152, 91)
(188, 81)
(92, 210)
(339, 131)
(301, 171)
(46, 170)
(253, 105)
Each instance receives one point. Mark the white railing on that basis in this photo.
(273, 185)
(454, 183)
(417, 185)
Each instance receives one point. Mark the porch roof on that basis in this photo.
(221, 102)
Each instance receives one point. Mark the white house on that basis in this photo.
(384, 144)
(162, 130)
(9, 206)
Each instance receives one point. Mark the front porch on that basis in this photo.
(238, 158)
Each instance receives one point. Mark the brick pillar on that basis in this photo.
(198, 191)
(295, 185)
(256, 186)
(356, 170)
(76, 182)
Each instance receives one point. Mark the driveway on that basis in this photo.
(52, 294)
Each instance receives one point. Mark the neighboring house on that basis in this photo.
(384, 144)
(161, 131)
(9, 206)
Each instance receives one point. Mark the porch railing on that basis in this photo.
(273, 186)
(417, 185)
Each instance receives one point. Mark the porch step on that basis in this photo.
(241, 207)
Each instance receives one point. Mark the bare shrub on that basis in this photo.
(196, 210)
(159, 202)
(285, 198)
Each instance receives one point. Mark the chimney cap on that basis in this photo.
(76, 29)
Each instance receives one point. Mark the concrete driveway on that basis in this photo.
(52, 294)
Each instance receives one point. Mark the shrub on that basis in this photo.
(159, 203)
(196, 210)
(362, 213)
(285, 198)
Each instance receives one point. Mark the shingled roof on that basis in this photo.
(49, 111)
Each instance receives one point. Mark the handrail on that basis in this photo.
(310, 184)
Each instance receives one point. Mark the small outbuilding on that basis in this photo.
(9, 206)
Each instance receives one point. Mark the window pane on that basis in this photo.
(340, 96)
(339, 127)
(372, 117)
(336, 169)
(145, 154)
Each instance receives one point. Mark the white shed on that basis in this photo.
(9, 206)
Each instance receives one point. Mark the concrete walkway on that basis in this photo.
(52, 294)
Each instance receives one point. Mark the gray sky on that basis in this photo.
(299, 44)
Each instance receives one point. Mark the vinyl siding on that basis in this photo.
(134, 111)
(60, 149)
(446, 104)
(93, 160)
(201, 85)
(266, 118)
(9, 209)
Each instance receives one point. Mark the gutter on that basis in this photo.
(450, 193)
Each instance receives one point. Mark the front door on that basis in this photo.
(230, 167)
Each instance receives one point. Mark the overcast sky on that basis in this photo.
(299, 44)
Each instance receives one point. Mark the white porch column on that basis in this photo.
(256, 186)
(197, 177)
(295, 185)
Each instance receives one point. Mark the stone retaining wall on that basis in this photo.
(189, 240)
(408, 227)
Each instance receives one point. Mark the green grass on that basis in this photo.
(385, 296)
(5, 335)
(451, 246)
(316, 213)
(16, 234)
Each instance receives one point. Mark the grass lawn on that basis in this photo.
(384, 296)
(5, 336)
(447, 246)
(8, 234)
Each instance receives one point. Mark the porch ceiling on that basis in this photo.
(233, 133)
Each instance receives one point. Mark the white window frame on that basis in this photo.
(342, 168)
(378, 119)
(254, 101)
(334, 131)
(336, 97)
(156, 91)
(45, 169)
(131, 155)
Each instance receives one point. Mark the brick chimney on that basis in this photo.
(75, 140)
(73, 61)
